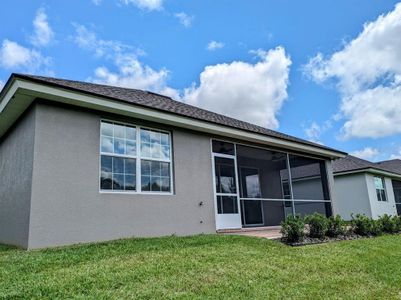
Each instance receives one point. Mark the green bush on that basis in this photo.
(388, 223)
(318, 225)
(292, 229)
(366, 226)
(397, 222)
(336, 226)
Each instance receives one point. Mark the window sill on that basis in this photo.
(137, 193)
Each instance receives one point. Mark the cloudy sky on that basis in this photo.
(327, 71)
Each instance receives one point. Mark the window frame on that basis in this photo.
(138, 158)
(383, 180)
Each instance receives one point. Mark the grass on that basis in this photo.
(205, 266)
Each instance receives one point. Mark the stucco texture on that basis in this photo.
(68, 208)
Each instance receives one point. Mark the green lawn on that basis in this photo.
(208, 266)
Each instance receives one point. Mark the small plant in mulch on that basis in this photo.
(293, 229)
(322, 229)
(365, 226)
(336, 226)
(318, 225)
(389, 224)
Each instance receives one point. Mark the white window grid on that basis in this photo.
(138, 158)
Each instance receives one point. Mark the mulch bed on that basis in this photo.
(313, 241)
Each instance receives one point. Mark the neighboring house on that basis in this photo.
(364, 187)
(82, 162)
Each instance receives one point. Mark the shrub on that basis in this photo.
(388, 223)
(292, 229)
(336, 226)
(365, 226)
(397, 222)
(318, 225)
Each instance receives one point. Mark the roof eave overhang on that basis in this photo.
(18, 95)
(370, 171)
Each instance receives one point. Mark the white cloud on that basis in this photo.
(184, 19)
(214, 45)
(14, 56)
(87, 39)
(1, 84)
(131, 73)
(313, 132)
(366, 153)
(145, 4)
(97, 2)
(367, 73)
(250, 92)
(396, 155)
(43, 34)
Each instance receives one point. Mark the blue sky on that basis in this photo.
(326, 71)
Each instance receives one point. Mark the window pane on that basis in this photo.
(383, 194)
(165, 154)
(308, 180)
(225, 175)
(155, 184)
(145, 167)
(145, 150)
(130, 133)
(156, 151)
(130, 182)
(262, 172)
(165, 169)
(119, 146)
(228, 204)
(154, 137)
(118, 165)
(145, 183)
(131, 148)
(379, 183)
(119, 131)
(105, 181)
(106, 129)
(309, 208)
(155, 168)
(165, 184)
(165, 139)
(130, 166)
(106, 164)
(223, 147)
(145, 136)
(107, 144)
(118, 182)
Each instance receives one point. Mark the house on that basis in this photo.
(364, 187)
(81, 162)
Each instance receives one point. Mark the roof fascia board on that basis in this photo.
(371, 171)
(37, 90)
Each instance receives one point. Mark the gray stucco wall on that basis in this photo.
(351, 195)
(16, 159)
(68, 208)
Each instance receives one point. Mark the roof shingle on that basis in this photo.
(163, 103)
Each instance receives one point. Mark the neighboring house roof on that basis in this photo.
(160, 103)
(352, 164)
(393, 164)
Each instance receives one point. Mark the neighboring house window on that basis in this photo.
(134, 159)
(380, 190)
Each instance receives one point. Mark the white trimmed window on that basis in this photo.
(380, 189)
(134, 159)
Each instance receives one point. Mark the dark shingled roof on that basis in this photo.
(162, 103)
(352, 163)
(393, 164)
